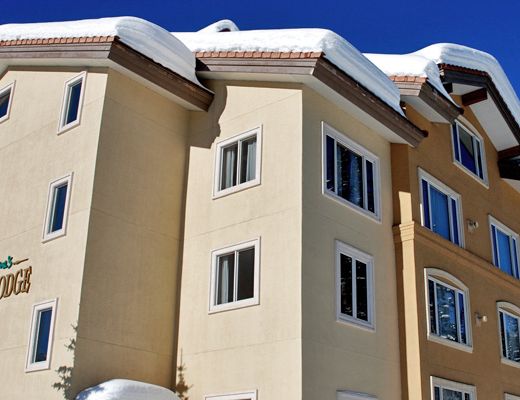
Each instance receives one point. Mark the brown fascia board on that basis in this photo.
(472, 77)
(316, 65)
(420, 87)
(110, 48)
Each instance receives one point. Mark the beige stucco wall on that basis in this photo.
(257, 347)
(337, 355)
(31, 156)
(127, 318)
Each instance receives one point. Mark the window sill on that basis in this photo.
(213, 309)
(450, 343)
(54, 235)
(357, 209)
(509, 362)
(41, 366)
(4, 118)
(470, 173)
(235, 189)
(68, 127)
(357, 323)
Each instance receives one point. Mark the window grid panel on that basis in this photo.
(469, 151)
(510, 340)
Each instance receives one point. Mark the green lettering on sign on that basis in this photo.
(7, 264)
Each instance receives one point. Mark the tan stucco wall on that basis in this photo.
(31, 156)
(127, 318)
(257, 347)
(337, 355)
(472, 265)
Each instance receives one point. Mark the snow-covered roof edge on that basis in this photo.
(127, 390)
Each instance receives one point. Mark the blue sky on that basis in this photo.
(371, 25)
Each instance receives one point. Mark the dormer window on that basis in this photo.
(468, 150)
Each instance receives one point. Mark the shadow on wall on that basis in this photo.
(65, 372)
(181, 387)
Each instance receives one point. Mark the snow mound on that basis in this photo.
(123, 389)
(336, 49)
(143, 36)
(219, 26)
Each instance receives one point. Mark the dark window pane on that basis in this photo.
(515, 257)
(426, 205)
(495, 248)
(58, 209)
(248, 160)
(503, 334)
(246, 274)
(73, 102)
(446, 313)
(433, 314)
(437, 393)
(504, 252)
(361, 291)
(462, 319)
(369, 169)
(346, 285)
(455, 142)
(350, 176)
(226, 278)
(448, 394)
(4, 103)
(228, 168)
(439, 210)
(455, 221)
(331, 183)
(479, 160)
(512, 338)
(467, 151)
(42, 339)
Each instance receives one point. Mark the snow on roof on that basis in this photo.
(225, 25)
(336, 49)
(143, 36)
(123, 389)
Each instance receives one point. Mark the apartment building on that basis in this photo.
(277, 213)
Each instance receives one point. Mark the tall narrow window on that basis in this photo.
(351, 173)
(509, 323)
(354, 285)
(57, 208)
(234, 276)
(40, 341)
(6, 95)
(443, 389)
(238, 163)
(72, 102)
(441, 210)
(504, 243)
(469, 150)
(448, 309)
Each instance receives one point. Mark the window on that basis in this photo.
(443, 389)
(235, 276)
(504, 243)
(6, 96)
(448, 309)
(351, 173)
(40, 339)
(441, 209)
(347, 395)
(511, 397)
(354, 286)
(234, 396)
(57, 208)
(72, 102)
(238, 163)
(508, 319)
(468, 150)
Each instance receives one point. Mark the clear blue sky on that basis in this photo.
(378, 26)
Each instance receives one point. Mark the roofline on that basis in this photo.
(467, 76)
(109, 48)
(316, 65)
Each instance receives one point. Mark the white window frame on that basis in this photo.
(349, 395)
(508, 396)
(255, 300)
(513, 311)
(47, 235)
(66, 97)
(218, 160)
(368, 260)
(249, 395)
(442, 277)
(4, 89)
(36, 309)
(462, 122)
(452, 194)
(452, 385)
(345, 141)
(512, 235)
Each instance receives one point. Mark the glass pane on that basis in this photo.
(426, 205)
(350, 176)
(73, 102)
(504, 252)
(225, 278)
(42, 339)
(503, 334)
(512, 338)
(462, 319)
(467, 152)
(433, 314)
(439, 210)
(455, 135)
(446, 312)
(515, 257)
(346, 285)
(455, 221)
(4, 103)
(437, 393)
(331, 184)
(495, 248)
(228, 168)
(480, 168)
(58, 209)
(361, 291)
(248, 160)
(369, 169)
(448, 394)
(246, 274)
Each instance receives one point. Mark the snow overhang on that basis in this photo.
(125, 389)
